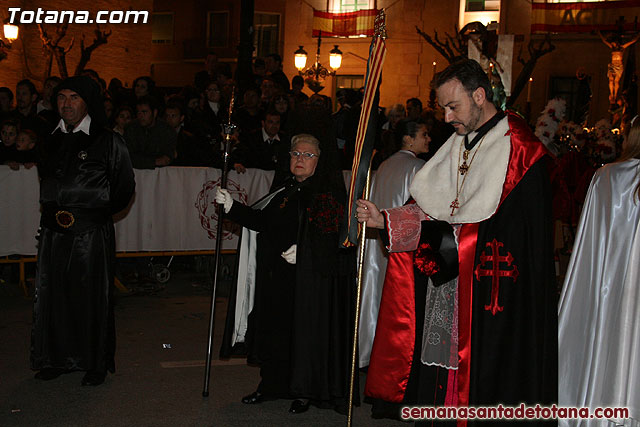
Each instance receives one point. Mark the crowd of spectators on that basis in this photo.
(183, 126)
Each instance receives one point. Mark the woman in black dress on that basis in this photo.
(300, 327)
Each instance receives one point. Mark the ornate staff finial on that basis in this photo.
(232, 102)
(380, 25)
(229, 127)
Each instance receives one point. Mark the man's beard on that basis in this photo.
(474, 121)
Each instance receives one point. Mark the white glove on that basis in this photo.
(224, 198)
(290, 254)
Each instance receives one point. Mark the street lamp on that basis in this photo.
(317, 73)
(10, 32)
(300, 58)
(335, 58)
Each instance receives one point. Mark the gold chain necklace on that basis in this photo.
(463, 169)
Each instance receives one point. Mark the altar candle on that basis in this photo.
(529, 89)
(434, 68)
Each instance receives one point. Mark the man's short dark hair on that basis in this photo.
(176, 103)
(150, 101)
(270, 112)
(415, 101)
(275, 57)
(469, 73)
(6, 90)
(29, 84)
(122, 108)
(11, 122)
(253, 88)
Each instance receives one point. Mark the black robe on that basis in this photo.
(512, 356)
(300, 328)
(91, 177)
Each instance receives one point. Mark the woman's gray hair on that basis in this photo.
(398, 109)
(305, 137)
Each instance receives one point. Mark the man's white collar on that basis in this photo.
(266, 137)
(439, 182)
(83, 126)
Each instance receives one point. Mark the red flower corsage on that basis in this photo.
(425, 260)
(325, 213)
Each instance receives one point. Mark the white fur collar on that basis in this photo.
(434, 186)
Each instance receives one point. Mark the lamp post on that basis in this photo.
(315, 75)
(10, 33)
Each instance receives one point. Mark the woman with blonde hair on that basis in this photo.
(598, 325)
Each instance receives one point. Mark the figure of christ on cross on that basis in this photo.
(615, 41)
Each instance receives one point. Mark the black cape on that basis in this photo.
(91, 177)
(300, 328)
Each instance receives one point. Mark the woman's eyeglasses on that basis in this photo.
(298, 154)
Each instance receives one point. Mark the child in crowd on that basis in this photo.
(27, 152)
(8, 135)
(123, 116)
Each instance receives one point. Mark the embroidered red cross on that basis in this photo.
(495, 272)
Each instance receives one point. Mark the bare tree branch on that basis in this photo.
(443, 48)
(68, 48)
(47, 67)
(536, 51)
(53, 46)
(85, 53)
(452, 47)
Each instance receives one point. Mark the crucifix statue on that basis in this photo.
(615, 40)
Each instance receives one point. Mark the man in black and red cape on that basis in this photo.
(468, 311)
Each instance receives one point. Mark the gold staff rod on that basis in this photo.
(354, 350)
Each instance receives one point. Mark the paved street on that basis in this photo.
(154, 385)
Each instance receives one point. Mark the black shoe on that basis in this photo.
(46, 374)
(299, 406)
(93, 378)
(253, 398)
(342, 409)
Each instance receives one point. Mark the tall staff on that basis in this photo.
(360, 171)
(228, 129)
